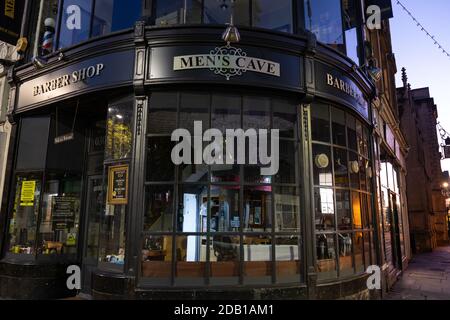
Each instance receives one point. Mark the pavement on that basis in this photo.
(427, 278)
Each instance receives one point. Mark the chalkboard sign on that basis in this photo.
(118, 185)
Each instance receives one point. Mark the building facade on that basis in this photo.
(391, 150)
(93, 182)
(427, 206)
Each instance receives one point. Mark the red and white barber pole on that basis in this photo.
(47, 41)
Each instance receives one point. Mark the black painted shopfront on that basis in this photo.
(93, 182)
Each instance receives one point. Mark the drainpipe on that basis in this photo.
(38, 30)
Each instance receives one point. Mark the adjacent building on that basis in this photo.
(93, 182)
(427, 203)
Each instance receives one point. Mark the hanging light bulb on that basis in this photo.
(231, 34)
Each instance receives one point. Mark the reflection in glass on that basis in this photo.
(256, 113)
(58, 230)
(340, 167)
(359, 253)
(258, 259)
(119, 130)
(225, 259)
(159, 209)
(323, 174)
(115, 15)
(324, 209)
(193, 208)
(219, 12)
(339, 122)
(357, 214)
(258, 209)
(345, 254)
(162, 118)
(324, 19)
(287, 209)
(75, 23)
(320, 126)
(170, 12)
(113, 237)
(344, 213)
(287, 259)
(326, 256)
(350, 26)
(23, 224)
(285, 118)
(267, 14)
(351, 133)
(287, 172)
(157, 259)
(191, 260)
(225, 212)
(161, 166)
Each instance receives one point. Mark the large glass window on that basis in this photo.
(177, 11)
(273, 15)
(220, 223)
(342, 198)
(75, 22)
(114, 15)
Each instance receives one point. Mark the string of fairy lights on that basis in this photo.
(423, 29)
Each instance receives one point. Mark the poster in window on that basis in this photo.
(118, 185)
(27, 193)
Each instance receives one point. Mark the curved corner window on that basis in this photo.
(273, 15)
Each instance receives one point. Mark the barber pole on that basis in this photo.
(47, 43)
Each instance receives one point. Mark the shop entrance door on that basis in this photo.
(94, 209)
(395, 231)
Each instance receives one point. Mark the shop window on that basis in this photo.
(258, 209)
(324, 19)
(157, 260)
(320, 125)
(272, 15)
(288, 259)
(356, 207)
(23, 223)
(359, 252)
(258, 259)
(219, 12)
(324, 209)
(225, 209)
(340, 167)
(114, 15)
(339, 123)
(159, 151)
(285, 118)
(323, 172)
(60, 218)
(159, 210)
(344, 213)
(39, 15)
(211, 216)
(75, 22)
(326, 256)
(225, 260)
(169, 12)
(287, 209)
(351, 133)
(119, 130)
(345, 254)
(191, 260)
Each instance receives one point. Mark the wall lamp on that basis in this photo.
(374, 72)
(231, 34)
(39, 62)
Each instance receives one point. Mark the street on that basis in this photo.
(427, 278)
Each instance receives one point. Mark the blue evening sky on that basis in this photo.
(426, 65)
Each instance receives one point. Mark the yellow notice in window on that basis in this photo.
(27, 194)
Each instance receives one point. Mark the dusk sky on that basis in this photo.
(426, 65)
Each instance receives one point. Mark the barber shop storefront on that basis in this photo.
(93, 182)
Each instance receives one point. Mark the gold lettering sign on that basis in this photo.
(342, 85)
(10, 8)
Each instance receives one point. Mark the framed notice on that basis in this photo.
(118, 185)
(27, 193)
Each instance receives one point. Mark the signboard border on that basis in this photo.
(111, 171)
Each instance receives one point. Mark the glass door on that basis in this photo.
(94, 209)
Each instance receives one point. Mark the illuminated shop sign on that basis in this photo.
(110, 70)
(228, 62)
(68, 79)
